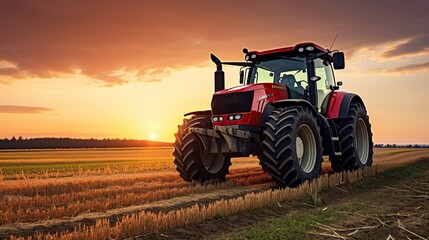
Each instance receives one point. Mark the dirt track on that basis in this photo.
(381, 157)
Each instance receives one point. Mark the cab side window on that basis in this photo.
(324, 71)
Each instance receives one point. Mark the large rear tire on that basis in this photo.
(355, 139)
(190, 160)
(291, 147)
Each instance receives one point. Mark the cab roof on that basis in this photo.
(291, 49)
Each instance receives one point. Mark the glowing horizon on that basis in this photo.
(132, 70)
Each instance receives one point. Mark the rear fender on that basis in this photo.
(339, 104)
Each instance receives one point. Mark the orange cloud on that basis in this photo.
(150, 36)
(416, 45)
(410, 68)
(22, 109)
(7, 65)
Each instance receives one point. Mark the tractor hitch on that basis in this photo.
(223, 139)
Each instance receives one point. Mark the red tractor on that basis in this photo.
(287, 111)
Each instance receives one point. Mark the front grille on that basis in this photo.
(232, 103)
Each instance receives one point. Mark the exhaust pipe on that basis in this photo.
(219, 75)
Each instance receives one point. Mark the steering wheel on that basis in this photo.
(299, 83)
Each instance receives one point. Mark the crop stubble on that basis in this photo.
(124, 202)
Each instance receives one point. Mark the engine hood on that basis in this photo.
(250, 87)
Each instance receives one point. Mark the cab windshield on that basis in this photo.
(292, 72)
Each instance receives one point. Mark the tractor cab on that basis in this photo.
(291, 70)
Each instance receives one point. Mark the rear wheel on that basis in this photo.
(355, 139)
(291, 147)
(191, 161)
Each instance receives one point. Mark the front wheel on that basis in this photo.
(191, 161)
(291, 147)
(355, 139)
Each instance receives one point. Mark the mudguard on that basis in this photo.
(339, 104)
(204, 112)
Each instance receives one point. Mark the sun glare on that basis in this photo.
(152, 136)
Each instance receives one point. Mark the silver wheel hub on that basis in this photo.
(299, 148)
(306, 148)
(362, 141)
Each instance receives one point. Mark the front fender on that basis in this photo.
(204, 113)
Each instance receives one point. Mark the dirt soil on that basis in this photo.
(392, 207)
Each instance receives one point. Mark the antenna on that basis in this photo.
(335, 38)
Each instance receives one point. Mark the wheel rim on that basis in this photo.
(306, 149)
(362, 141)
(213, 162)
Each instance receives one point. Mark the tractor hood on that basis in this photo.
(251, 87)
(247, 102)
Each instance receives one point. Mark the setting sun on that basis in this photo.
(153, 136)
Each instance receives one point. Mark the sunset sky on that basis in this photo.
(131, 69)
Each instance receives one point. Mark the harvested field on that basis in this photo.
(128, 192)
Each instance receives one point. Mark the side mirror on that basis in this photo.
(338, 60)
(339, 83)
(241, 77)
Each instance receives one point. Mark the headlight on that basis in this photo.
(309, 48)
(301, 49)
(235, 117)
(215, 119)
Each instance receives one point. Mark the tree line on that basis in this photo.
(53, 143)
